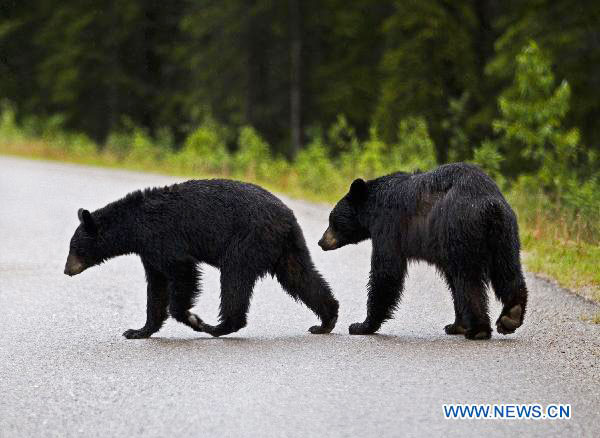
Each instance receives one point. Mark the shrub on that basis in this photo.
(253, 157)
(372, 158)
(118, 144)
(204, 151)
(415, 149)
(9, 130)
(341, 137)
(488, 157)
(143, 150)
(348, 162)
(315, 170)
(80, 145)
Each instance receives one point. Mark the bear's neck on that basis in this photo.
(120, 230)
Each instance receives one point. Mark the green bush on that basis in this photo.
(316, 171)
(415, 149)
(9, 129)
(371, 162)
(253, 157)
(341, 137)
(119, 143)
(488, 157)
(79, 145)
(204, 151)
(165, 139)
(143, 149)
(348, 162)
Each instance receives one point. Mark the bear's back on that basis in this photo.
(216, 197)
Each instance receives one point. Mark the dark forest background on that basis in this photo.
(290, 67)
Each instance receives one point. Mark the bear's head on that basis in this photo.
(346, 220)
(84, 250)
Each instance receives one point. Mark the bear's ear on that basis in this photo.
(87, 221)
(358, 191)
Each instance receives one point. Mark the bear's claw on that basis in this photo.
(360, 328)
(323, 328)
(196, 323)
(478, 334)
(136, 334)
(510, 321)
(454, 329)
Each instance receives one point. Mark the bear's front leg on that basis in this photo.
(156, 305)
(474, 310)
(457, 327)
(384, 289)
(184, 286)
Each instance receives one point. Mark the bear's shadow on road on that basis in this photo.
(333, 340)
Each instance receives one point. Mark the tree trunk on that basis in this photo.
(295, 78)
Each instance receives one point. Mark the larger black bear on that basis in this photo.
(239, 228)
(453, 217)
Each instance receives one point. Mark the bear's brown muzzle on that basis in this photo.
(328, 241)
(74, 265)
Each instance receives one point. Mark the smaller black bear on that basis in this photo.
(453, 217)
(240, 228)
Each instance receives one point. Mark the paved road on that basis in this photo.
(65, 370)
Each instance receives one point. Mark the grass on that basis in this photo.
(41, 150)
(593, 319)
(576, 264)
(550, 251)
(573, 265)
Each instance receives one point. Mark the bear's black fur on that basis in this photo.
(453, 217)
(239, 228)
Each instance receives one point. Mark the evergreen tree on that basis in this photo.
(531, 127)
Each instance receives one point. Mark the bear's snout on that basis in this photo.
(74, 265)
(328, 241)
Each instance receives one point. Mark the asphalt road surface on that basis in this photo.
(65, 369)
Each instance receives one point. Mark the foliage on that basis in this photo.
(9, 130)
(488, 157)
(341, 136)
(532, 113)
(315, 170)
(167, 66)
(204, 151)
(568, 34)
(253, 157)
(435, 54)
(546, 155)
(414, 149)
(371, 160)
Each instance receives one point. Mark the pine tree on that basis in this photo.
(531, 126)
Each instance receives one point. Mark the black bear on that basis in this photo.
(454, 218)
(240, 228)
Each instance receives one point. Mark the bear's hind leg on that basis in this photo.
(183, 288)
(457, 327)
(236, 290)
(471, 297)
(299, 278)
(156, 305)
(513, 295)
(506, 274)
